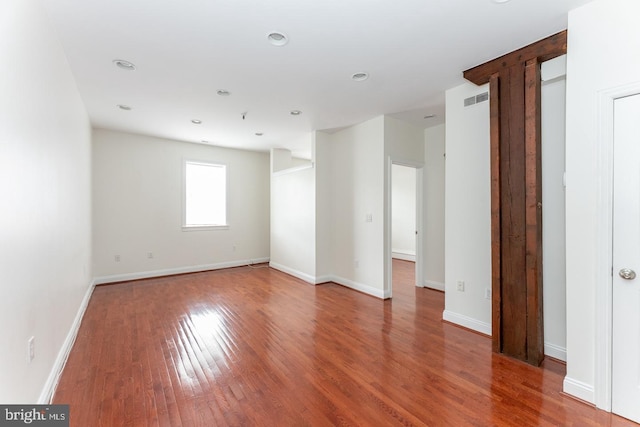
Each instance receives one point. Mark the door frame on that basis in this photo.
(604, 268)
(419, 273)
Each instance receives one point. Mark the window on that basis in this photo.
(205, 195)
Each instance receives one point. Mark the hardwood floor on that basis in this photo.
(253, 346)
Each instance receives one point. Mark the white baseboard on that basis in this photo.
(295, 273)
(467, 322)
(555, 351)
(434, 285)
(365, 289)
(323, 279)
(578, 389)
(403, 255)
(179, 270)
(54, 376)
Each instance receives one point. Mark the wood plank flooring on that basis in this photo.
(255, 347)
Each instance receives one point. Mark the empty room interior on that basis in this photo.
(321, 213)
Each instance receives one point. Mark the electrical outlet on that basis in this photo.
(31, 349)
(460, 286)
(149, 255)
(233, 248)
(487, 293)
(369, 218)
(116, 258)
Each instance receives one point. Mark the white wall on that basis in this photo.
(293, 217)
(357, 190)
(45, 175)
(553, 212)
(434, 221)
(403, 212)
(467, 210)
(322, 154)
(137, 208)
(603, 46)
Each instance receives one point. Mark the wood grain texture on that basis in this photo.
(533, 210)
(255, 347)
(496, 230)
(543, 50)
(516, 195)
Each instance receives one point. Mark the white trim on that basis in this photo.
(578, 389)
(323, 279)
(54, 375)
(180, 270)
(388, 251)
(204, 227)
(439, 286)
(405, 256)
(604, 293)
(555, 351)
(292, 170)
(295, 273)
(366, 289)
(467, 322)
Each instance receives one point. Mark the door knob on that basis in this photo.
(627, 273)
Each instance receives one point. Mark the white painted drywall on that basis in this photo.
(322, 163)
(45, 175)
(403, 212)
(137, 207)
(553, 212)
(433, 202)
(293, 219)
(467, 210)
(357, 190)
(603, 46)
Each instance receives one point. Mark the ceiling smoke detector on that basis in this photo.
(360, 77)
(196, 121)
(277, 38)
(125, 65)
(295, 112)
(223, 92)
(259, 133)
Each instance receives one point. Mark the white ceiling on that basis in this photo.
(186, 50)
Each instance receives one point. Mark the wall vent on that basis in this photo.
(469, 101)
(484, 96)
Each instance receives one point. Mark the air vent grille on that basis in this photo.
(476, 99)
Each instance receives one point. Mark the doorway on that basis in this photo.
(625, 355)
(405, 214)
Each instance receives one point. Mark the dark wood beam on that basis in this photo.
(516, 196)
(544, 50)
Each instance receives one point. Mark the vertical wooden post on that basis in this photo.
(516, 195)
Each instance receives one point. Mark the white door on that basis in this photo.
(626, 259)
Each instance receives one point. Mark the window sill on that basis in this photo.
(204, 227)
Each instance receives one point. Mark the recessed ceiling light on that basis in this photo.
(360, 77)
(259, 133)
(295, 112)
(277, 38)
(429, 116)
(125, 65)
(123, 107)
(196, 121)
(223, 92)
(204, 141)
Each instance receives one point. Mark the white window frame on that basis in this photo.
(203, 227)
